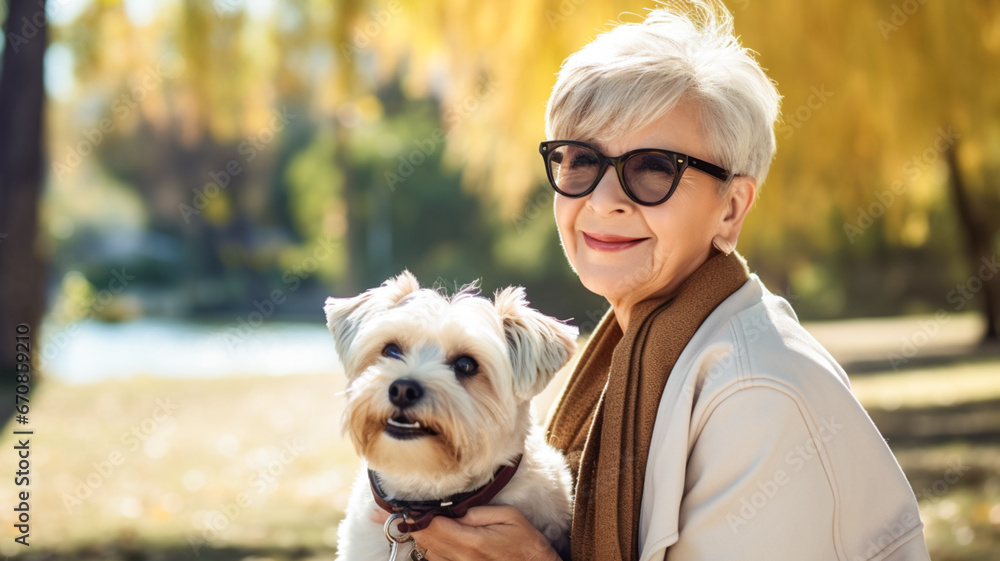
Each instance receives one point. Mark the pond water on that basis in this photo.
(91, 351)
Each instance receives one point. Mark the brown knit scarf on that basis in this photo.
(603, 421)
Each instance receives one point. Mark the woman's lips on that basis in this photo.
(610, 242)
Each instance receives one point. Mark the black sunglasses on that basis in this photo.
(648, 176)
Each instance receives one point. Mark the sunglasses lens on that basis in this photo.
(651, 176)
(574, 168)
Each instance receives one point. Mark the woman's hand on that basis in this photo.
(485, 533)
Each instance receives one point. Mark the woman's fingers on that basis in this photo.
(484, 534)
(487, 515)
(379, 516)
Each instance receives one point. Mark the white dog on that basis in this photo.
(439, 408)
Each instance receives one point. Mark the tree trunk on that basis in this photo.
(977, 248)
(22, 97)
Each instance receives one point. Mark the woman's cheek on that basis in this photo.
(564, 215)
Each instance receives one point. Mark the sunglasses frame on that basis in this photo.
(547, 148)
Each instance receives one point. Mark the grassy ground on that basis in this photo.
(152, 464)
(141, 469)
(943, 424)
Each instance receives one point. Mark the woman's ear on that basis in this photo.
(738, 199)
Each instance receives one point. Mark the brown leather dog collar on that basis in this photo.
(422, 512)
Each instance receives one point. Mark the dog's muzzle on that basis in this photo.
(405, 392)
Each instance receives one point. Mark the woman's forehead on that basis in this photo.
(678, 130)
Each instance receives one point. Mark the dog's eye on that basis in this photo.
(392, 350)
(465, 366)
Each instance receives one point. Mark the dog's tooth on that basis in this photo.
(413, 425)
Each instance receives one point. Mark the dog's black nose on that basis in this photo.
(404, 393)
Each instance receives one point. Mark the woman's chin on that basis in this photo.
(613, 279)
(610, 286)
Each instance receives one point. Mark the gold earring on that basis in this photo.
(722, 245)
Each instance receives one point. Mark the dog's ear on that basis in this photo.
(538, 344)
(344, 316)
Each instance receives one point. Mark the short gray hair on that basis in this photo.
(633, 74)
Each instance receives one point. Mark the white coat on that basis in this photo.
(761, 452)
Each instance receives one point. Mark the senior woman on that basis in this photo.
(701, 421)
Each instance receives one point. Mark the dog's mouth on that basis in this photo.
(401, 428)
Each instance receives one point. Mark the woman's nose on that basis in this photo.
(609, 197)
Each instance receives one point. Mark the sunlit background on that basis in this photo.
(212, 171)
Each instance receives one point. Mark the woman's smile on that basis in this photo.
(610, 242)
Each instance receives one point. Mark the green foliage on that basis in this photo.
(377, 87)
(315, 194)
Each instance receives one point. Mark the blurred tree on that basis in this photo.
(887, 109)
(202, 106)
(855, 217)
(21, 108)
(871, 93)
(978, 240)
